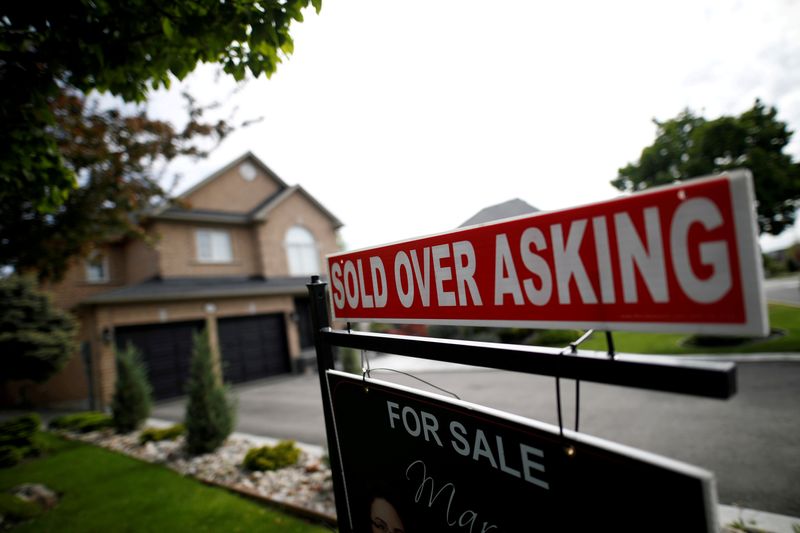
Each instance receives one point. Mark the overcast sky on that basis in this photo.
(404, 118)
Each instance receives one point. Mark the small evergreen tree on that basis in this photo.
(132, 392)
(36, 338)
(210, 411)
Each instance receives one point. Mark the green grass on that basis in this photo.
(783, 317)
(105, 491)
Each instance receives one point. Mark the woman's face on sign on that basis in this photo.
(384, 517)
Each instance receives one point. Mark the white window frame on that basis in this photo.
(302, 255)
(217, 248)
(93, 261)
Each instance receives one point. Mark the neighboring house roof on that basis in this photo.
(511, 208)
(259, 213)
(156, 289)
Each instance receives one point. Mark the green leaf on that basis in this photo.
(166, 27)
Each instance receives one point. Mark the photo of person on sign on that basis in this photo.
(385, 512)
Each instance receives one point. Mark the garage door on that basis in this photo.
(166, 350)
(253, 347)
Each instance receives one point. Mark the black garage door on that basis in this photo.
(166, 350)
(253, 347)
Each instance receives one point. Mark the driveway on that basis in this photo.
(750, 442)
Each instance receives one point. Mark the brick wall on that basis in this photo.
(74, 288)
(295, 210)
(231, 192)
(178, 252)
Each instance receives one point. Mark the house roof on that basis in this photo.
(236, 162)
(260, 212)
(511, 208)
(172, 289)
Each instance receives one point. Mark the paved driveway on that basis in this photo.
(751, 442)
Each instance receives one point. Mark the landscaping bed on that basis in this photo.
(305, 488)
(94, 489)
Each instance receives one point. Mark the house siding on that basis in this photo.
(296, 210)
(141, 260)
(178, 253)
(230, 192)
(74, 288)
(258, 250)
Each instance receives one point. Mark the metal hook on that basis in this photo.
(610, 345)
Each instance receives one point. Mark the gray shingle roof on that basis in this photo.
(168, 289)
(511, 208)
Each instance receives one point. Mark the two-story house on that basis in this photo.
(234, 260)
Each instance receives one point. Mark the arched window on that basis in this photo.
(301, 252)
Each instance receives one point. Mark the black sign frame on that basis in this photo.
(450, 465)
(707, 379)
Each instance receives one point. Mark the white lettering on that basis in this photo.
(392, 413)
(429, 427)
(401, 262)
(442, 274)
(504, 262)
(423, 278)
(631, 250)
(366, 299)
(350, 282)
(464, 259)
(536, 265)
(417, 427)
(715, 254)
(502, 456)
(603, 251)
(379, 289)
(528, 464)
(338, 288)
(569, 264)
(482, 448)
(459, 432)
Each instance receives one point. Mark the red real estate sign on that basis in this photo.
(682, 258)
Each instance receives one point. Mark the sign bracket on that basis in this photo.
(709, 379)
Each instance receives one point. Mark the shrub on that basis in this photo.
(36, 338)
(18, 439)
(10, 455)
(209, 411)
(553, 337)
(132, 393)
(285, 453)
(19, 431)
(159, 434)
(82, 422)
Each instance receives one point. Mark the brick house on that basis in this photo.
(234, 260)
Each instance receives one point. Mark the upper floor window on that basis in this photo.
(213, 246)
(301, 252)
(97, 268)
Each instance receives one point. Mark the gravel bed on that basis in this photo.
(307, 485)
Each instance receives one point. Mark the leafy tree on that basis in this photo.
(132, 399)
(117, 155)
(209, 412)
(689, 146)
(124, 48)
(36, 338)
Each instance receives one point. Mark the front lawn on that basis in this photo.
(782, 317)
(105, 491)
